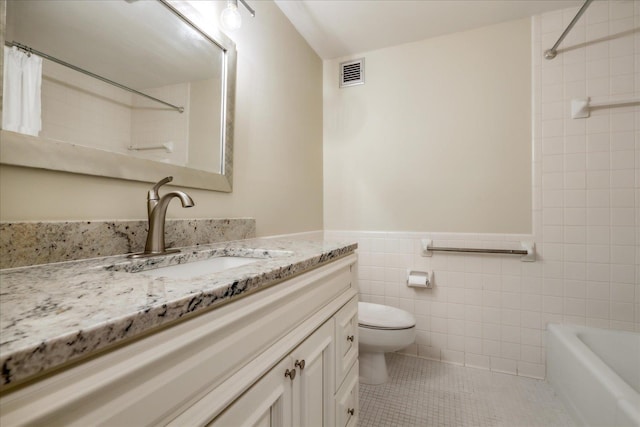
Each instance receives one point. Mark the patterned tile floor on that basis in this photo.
(427, 393)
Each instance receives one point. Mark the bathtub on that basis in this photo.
(596, 372)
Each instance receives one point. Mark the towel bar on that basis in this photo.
(528, 250)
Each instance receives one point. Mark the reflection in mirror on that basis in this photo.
(127, 81)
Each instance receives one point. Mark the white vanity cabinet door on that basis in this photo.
(314, 385)
(346, 339)
(347, 405)
(301, 398)
(267, 403)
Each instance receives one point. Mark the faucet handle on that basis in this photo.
(153, 193)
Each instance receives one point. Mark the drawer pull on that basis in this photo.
(351, 411)
(290, 373)
(299, 364)
(350, 338)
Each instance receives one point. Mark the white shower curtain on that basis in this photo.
(21, 102)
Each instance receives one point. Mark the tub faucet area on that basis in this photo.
(157, 212)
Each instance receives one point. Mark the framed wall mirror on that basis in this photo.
(130, 89)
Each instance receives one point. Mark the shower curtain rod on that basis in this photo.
(30, 50)
(551, 53)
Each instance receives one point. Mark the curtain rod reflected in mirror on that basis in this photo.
(30, 50)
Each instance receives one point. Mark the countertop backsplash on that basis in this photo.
(34, 243)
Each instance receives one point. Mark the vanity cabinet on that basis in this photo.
(346, 331)
(225, 367)
(306, 388)
(347, 404)
(296, 392)
(313, 385)
(269, 402)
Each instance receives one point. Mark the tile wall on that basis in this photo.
(82, 110)
(491, 311)
(587, 171)
(484, 311)
(154, 124)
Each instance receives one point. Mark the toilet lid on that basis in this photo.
(384, 317)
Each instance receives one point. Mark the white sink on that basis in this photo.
(199, 268)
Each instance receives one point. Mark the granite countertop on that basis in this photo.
(55, 313)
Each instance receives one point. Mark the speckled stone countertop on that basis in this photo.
(55, 313)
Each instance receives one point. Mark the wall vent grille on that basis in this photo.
(352, 73)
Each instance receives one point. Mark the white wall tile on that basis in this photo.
(598, 216)
(623, 254)
(622, 292)
(598, 142)
(623, 273)
(598, 179)
(598, 86)
(508, 366)
(573, 198)
(623, 217)
(622, 84)
(622, 311)
(623, 65)
(624, 178)
(599, 160)
(622, 198)
(571, 162)
(622, 122)
(597, 68)
(575, 180)
(598, 235)
(622, 140)
(598, 309)
(623, 159)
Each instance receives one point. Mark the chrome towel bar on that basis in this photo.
(481, 251)
(527, 251)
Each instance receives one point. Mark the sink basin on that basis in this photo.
(199, 268)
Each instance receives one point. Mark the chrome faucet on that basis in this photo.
(157, 212)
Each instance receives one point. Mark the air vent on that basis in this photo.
(352, 73)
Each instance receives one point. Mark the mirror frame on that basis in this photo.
(36, 152)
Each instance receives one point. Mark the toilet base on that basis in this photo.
(373, 368)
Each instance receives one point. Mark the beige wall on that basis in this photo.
(437, 139)
(278, 148)
(201, 127)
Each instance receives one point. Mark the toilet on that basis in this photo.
(381, 329)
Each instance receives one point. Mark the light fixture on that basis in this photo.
(230, 18)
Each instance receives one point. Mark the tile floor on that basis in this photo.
(428, 393)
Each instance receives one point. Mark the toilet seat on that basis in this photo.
(377, 316)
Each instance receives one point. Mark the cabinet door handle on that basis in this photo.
(351, 411)
(350, 338)
(290, 373)
(299, 364)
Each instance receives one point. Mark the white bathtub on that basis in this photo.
(597, 373)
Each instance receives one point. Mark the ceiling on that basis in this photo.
(336, 28)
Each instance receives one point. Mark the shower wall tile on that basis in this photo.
(597, 220)
(82, 110)
(491, 311)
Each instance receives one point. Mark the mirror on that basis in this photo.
(130, 89)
